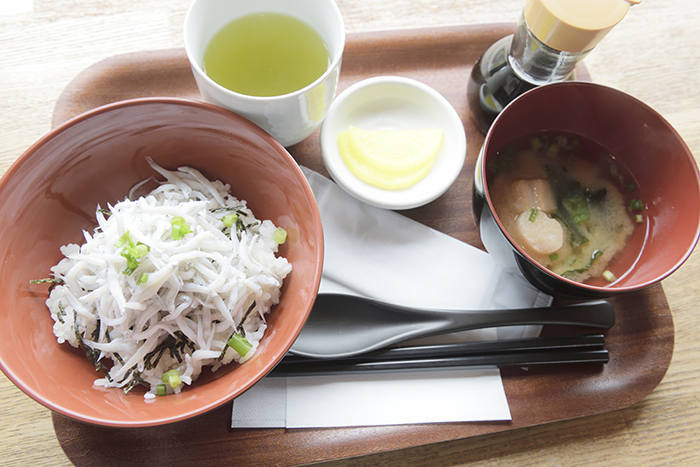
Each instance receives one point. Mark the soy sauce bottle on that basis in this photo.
(550, 39)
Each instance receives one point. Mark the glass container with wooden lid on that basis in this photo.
(551, 38)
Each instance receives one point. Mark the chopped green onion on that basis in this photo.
(135, 251)
(533, 215)
(180, 228)
(574, 142)
(638, 218)
(636, 204)
(535, 144)
(229, 220)
(553, 150)
(553, 257)
(174, 381)
(240, 344)
(578, 207)
(280, 236)
(132, 252)
(172, 377)
(123, 240)
(631, 186)
(142, 279)
(131, 266)
(161, 390)
(178, 221)
(609, 276)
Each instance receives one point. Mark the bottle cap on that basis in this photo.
(574, 25)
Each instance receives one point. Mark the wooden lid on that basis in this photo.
(574, 25)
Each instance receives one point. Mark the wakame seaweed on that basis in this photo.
(565, 188)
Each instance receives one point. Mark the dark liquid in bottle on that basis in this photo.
(492, 85)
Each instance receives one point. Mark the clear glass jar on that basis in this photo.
(512, 66)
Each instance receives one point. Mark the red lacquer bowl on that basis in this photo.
(49, 196)
(638, 137)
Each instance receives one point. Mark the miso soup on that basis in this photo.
(566, 201)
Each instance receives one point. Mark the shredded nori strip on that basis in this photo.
(237, 209)
(52, 281)
(175, 344)
(61, 313)
(96, 332)
(240, 224)
(137, 379)
(245, 317)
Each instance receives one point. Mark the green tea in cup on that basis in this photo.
(266, 54)
(275, 62)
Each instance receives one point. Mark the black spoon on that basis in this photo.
(346, 325)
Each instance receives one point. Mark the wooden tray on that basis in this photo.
(640, 344)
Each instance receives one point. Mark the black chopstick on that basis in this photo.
(329, 367)
(504, 353)
(588, 341)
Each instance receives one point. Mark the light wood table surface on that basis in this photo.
(653, 55)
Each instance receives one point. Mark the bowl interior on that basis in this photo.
(49, 196)
(645, 143)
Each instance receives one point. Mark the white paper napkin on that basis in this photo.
(387, 256)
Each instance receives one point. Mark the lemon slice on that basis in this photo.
(396, 150)
(389, 159)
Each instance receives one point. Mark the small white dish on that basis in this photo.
(394, 103)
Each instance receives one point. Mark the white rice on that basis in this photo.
(198, 289)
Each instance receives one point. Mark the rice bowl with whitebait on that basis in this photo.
(169, 283)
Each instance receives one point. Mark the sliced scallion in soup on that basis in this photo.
(566, 201)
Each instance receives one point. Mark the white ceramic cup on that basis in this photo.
(289, 118)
